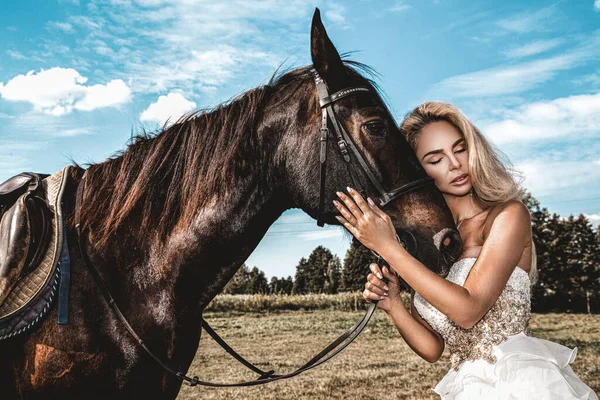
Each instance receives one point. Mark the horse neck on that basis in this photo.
(230, 226)
(198, 259)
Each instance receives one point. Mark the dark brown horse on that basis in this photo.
(169, 221)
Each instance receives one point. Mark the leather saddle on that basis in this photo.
(34, 254)
(24, 228)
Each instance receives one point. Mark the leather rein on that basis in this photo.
(344, 142)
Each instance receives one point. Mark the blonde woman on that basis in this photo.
(481, 310)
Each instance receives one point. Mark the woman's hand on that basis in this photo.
(388, 296)
(371, 226)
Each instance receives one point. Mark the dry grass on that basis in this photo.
(378, 365)
(346, 301)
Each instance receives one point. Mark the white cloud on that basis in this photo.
(545, 178)
(169, 107)
(322, 234)
(294, 217)
(574, 116)
(533, 48)
(40, 125)
(529, 21)
(168, 44)
(594, 218)
(336, 14)
(16, 55)
(101, 96)
(59, 91)
(597, 5)
(62, 26)
(504, 80)
(589, 81)
(13, 164)
(11, 146)
(399, 7)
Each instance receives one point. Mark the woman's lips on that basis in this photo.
(460, 180)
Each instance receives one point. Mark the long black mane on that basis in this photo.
(164, 177)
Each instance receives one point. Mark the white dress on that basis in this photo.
(496, 358)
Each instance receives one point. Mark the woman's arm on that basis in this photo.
(465, 305)
(419, 336)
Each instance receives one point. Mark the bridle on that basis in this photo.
(344, 141)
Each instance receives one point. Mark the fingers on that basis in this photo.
(345, 213)
(389, 275)
(375, 270)
(350, 204)
(375, 281)
(359, 200)
(369, 296)
(376, 285)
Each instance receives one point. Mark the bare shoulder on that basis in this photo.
(512, 212)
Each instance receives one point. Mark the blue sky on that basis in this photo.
(77, 77)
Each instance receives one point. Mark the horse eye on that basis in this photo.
(376, 128)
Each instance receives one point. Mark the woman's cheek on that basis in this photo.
(432, 171)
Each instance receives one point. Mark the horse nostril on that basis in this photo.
(451, 246)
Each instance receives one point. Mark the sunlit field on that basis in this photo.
(377, 365)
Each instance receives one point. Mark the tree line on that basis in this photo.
(321, 272)
(568, 264)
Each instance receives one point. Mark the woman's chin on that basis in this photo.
(459, 191)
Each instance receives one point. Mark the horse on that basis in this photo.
(169, 220)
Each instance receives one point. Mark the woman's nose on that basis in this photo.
(454, 163)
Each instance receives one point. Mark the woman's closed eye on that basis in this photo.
(457, 151)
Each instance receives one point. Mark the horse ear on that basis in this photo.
(325, 57)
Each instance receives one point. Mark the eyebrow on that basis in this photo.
(440, 150)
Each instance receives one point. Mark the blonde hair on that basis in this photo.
(493, 179)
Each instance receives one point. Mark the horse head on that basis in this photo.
(389, 170)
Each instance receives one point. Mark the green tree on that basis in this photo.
(582, 262)
(238, 284)
(257, 282)
(281, 285)
(317, 265)
(334, 276)
(301, 278)
(356, 266)
(542, 237)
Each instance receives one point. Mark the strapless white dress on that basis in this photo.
(496, 358)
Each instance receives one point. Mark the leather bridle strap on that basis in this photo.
(344, 142)
(265, 377)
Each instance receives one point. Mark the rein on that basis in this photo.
(265, 377)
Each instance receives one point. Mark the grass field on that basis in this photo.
(377, 365)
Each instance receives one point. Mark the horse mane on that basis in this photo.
(162, 178)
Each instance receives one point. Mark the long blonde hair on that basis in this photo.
(493, 179)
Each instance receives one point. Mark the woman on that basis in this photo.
(482, 308)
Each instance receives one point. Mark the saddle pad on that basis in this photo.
(31, 285)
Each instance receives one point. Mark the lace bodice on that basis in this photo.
(508, 316)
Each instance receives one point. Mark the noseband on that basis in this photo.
(344, 142)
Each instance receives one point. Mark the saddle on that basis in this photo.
(24, 228)
(31, 246)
